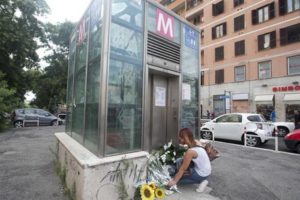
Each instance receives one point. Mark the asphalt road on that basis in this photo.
(269, 145)
(26, 164)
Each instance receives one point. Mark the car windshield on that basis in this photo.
(256, 118)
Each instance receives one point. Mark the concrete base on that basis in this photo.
(93, 178)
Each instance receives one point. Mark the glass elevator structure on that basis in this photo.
(133, 77)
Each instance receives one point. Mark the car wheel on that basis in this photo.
(54, 123)
(206, 134)
(18, 124)
(298, 148)
(282, 131)
(252, 140)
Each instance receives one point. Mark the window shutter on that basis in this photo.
(213, 33)
(273, 39)
(221, 4)
(236, 49)
(222, 76)
(242, 47)
(236, 24)
(254, 17)
(282, 7)
(260, 40)
(224, 29)
(272, 10)
(283, 36)
(214, 9)
(235, 3)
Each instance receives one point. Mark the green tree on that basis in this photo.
(20, 31)
(8, 101)
(52, 84)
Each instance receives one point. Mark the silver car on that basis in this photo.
(33, 117)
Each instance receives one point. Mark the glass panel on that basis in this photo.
(93, 78)
(264, 70)
(125, 80)
(190, 77)
(79, 82)
(294, 65)
(267, 41)
(152, 15)
(72, 55)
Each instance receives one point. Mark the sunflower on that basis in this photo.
(160, 193)
(147, 193)
(152, 185)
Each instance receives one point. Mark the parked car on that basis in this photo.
(292, 140)
(33, 116)
(62, 118)
(232, 126)
(283, 128)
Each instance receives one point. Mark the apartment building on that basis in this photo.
(250, 54)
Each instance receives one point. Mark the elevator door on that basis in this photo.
(164, 110)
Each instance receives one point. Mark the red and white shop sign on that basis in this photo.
(286, 88)
(164, 24)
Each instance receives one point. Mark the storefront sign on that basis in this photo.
(164, 24)
(286, 88)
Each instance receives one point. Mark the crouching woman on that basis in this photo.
(201, 168)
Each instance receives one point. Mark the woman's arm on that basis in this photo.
(189, 155)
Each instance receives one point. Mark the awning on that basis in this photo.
(291, 97)
(264, 98)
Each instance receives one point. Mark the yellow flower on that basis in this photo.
(152, 185)
(147, 193)
(160, 193)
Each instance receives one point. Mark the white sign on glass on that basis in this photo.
(186, 91)
(160, 96)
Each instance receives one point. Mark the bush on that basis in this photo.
(8, 101)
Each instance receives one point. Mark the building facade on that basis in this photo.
(250, 54)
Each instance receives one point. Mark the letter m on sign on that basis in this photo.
(164, 24)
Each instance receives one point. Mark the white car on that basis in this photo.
(232, 126)
(283, 128)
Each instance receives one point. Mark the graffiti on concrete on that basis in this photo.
(123, 176)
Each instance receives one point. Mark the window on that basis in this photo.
(219, 31)
(219, 53)
(193, 3)
(290, 34)
(197, 19)
(239, 48)
(218, 8)
(266, 41)
(202, 78)
(294, 65)
(240, 73)
(263, 14)
(239, 23)
(219, 76)
(287, 6)
(237, 2)
(264, 70)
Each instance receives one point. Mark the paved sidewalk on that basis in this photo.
(241, 173)
(26, 164)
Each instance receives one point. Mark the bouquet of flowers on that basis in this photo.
(169, 153)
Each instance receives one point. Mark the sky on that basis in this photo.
(62, 10)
